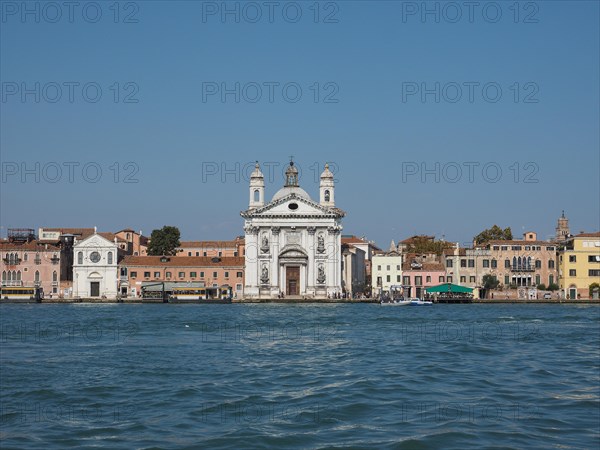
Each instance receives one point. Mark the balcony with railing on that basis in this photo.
(37, 260)
(12, 283)
(12, 261)
(55, 260)
(522, 268)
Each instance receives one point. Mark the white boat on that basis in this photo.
(419, 302)
(396, 303)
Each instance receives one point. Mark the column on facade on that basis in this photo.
(276, 280)
(252, 269)
(337, 261)
(311, 246)
(332, 265)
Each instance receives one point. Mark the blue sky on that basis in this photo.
(365, 58)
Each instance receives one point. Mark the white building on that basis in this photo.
(353, 269)
(293, 244)
(95, 271)
(387, 272)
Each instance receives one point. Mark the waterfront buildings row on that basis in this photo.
(101, 267)
(293, 246)
(569, 264)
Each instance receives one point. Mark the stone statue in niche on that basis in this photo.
(320, 244)
(264, 247)
(264, 277)
(321, 274)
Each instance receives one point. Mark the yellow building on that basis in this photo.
(579, 265)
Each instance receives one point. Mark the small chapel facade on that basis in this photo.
(95, 270)
(293, 243)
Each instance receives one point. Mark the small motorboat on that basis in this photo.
(396, 302)
(419, 302)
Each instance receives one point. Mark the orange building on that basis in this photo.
(137, 271)
(132, 242)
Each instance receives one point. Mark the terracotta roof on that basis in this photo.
(183, 261)
(356, 240)
(596, 234)
(110, 236)
(32, 246)
(353, 240)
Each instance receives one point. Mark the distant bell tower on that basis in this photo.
(257, 188)
(562, 228)
(327, 188)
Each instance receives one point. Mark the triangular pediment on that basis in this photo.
(95, 240)
(292, 205)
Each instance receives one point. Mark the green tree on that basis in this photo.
(553, 287)
(490, 282)
(494, 234)
(422, 244)
(541, 287)
(164, 241)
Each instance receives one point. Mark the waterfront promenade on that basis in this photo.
(301, 301)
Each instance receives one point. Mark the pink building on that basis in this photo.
(30, 263)
(420, 272)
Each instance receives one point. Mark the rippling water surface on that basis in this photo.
(300, 376)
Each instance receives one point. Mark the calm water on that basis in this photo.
(272, 376)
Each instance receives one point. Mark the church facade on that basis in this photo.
(95, 271)
(293, 243)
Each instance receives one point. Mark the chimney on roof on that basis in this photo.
(95, 230)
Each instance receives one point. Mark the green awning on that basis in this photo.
(449, 287)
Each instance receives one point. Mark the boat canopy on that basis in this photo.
(449, 287)
(157, 286)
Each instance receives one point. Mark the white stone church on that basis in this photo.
(293, 243)
(95, 271)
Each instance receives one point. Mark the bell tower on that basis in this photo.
(326, 197)
(562, 228)
(257, 188)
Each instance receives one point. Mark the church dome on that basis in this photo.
(287, 190)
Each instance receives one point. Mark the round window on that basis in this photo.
(293, 206)
(94, 257)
